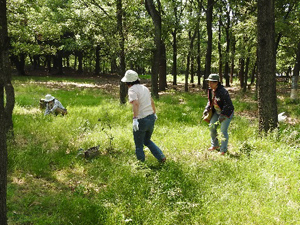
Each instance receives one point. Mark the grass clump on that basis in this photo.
(256, 183)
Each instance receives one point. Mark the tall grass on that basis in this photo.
(49, 183)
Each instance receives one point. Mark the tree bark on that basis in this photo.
(174, 66)
(122, 89)
(266, 66)
(97, 66)
(232, 60)
(80, 59)
(6, 108)
(198, 58)
(226, 71)
(220, 51)
(156, 19)
(209, 12)
(163, 68)
(295, 77)
(241, 72)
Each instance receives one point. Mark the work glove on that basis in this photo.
(221, 118)
(155, 116)
(135, 125)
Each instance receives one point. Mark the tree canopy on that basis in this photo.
(72, 30)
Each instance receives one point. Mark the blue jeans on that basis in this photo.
(224, 131)
(143, 137)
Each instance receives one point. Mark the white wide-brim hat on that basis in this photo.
(49, 98)
(130, 76)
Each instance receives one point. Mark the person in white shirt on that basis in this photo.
(54, 106)
(144, 116)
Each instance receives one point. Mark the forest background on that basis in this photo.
(102, 39)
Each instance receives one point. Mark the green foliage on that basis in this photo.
(48, 183)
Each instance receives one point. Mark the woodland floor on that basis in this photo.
(110, 83)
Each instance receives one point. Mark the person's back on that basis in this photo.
(142, 94)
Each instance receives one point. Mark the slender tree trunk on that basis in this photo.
(186, 82)
(210, 5)
(232, 61)
(295, 78)
(122, 89)
(241, 73)
(155, 15)
(59, 61)
(6, 108)
(80, 59)
(192, 69)
(174, 66)
(200, 6)
(253, 73)
(97, 66)
(226, 71)
(220, 51)
(266, 66)
(246, 75)
(163, 68)
(191, 38)
(198, 57)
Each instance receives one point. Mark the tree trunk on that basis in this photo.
(241, 73)
(123, 88)
(266, 66)
(192, 69)
(232, 61)
(186, 80)
(80, 58)
(97, 66)
(198, 57)
(163, 68)
(210, 5)
(246, 75)
(6, 108)
(295, 78)
(189, 56)
(19, 62)
(253, 73)
(220, 51)
(174, 66)
(156, 18)
(226, 71)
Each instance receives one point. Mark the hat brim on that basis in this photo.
(49, 100)
(211, 80)
(124, 79)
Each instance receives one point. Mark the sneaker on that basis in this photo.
(212, 148)
(222, 153)
(163, 160)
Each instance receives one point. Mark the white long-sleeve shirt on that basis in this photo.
(56, 105)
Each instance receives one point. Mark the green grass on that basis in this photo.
(48, 183)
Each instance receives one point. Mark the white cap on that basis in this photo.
(49, 98)
(130, 76)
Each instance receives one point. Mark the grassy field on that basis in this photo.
(258, 182)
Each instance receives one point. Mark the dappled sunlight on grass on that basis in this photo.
(50, 183)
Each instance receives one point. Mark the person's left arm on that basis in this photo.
(153, 106)
(228, 108)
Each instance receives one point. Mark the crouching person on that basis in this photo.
(54, 106)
